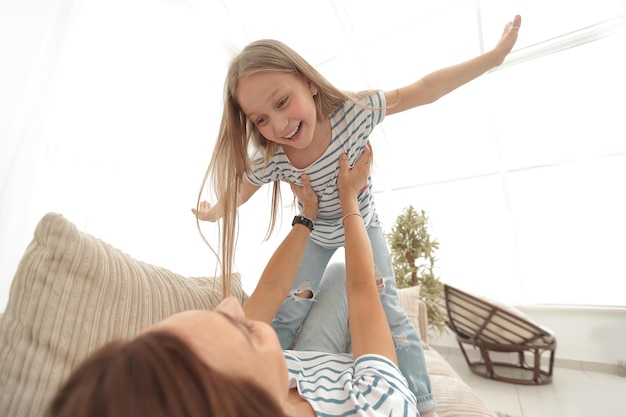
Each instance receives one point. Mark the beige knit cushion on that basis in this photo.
(71, 294)
(454, 397)
(409, 298)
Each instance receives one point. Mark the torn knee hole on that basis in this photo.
(401, 341)
(380, 283)
(303, 293)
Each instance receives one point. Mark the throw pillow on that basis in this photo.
(410, 300)
(73, 293)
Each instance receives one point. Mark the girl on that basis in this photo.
(297, 123)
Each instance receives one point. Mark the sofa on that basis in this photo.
(72, 293)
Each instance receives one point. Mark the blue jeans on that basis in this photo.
(319, 295)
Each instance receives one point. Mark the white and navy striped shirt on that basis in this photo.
(337, 386)
(351, 126)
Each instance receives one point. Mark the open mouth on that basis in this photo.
(295, 132)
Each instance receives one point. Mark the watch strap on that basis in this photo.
(302, 219)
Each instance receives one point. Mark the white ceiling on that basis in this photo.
(358, 44)
(335, 25)
(363, 33)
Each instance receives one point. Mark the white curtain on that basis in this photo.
(109, 109)
(32, 34)
(108, 114)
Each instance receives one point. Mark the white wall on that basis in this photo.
(107, 110)
(591, 335)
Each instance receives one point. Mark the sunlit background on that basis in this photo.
(109, 109)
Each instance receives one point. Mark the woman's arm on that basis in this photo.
(277, 278)
(369, 328)
(441, 82)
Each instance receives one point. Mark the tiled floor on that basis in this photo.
(573, 393)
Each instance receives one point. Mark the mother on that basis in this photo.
(228, 362)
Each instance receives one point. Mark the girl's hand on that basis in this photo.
(307, 196)
(352, 179)
(508, 39)
(206, 212)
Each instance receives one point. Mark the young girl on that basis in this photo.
(297, 123)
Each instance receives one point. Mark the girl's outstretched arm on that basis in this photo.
(280, 272)
(212, 213)
(439, 83)
(369, 328)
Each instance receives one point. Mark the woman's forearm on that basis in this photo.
(358, 250)
(278, 276)
(281, 270)
(369, 329)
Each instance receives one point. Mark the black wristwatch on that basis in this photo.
(302, 219)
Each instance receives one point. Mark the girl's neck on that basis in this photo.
(302, 158)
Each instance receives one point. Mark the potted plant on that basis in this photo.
(413, 256)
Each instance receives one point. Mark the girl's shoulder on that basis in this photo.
(367, 98)
(365, 105)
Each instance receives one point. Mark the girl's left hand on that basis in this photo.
(307, 197)
(509, 37)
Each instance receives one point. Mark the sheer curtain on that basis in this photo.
(108, 110)
(108, 114)
(522, 171)
(32, 34)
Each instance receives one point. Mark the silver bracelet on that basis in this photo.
(354, 213)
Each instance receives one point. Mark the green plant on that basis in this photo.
(413, 256)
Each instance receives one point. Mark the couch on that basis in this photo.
(73, 293)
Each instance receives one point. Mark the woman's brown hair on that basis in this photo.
(156, 375)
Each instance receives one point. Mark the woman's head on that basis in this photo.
(166, 371)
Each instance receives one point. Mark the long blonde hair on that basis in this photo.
(237, 135)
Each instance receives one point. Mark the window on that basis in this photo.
(523, 171)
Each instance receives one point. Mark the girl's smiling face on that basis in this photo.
(281, 106)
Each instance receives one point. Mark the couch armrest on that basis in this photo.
(416, 310)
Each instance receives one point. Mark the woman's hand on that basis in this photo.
(352, 179)
(307, 196)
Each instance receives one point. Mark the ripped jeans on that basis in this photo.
(319, 295)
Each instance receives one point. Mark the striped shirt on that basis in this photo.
(337, 386)
(351, 126)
